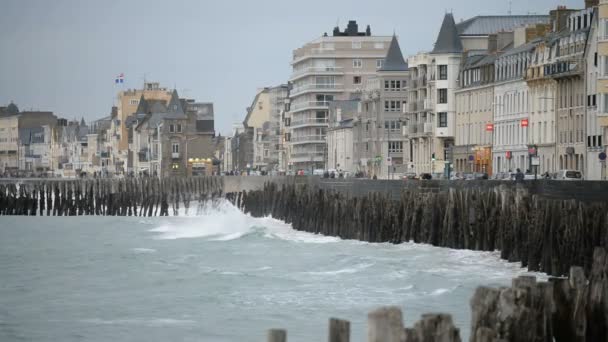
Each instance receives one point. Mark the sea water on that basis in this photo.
(218, 275)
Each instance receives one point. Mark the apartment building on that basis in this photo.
(128, 101)
(594, 131)
(342, 149)
(474, 114)
(569, 70)
(602, 83)
(329, 68)
(379, 143)
(542, 92)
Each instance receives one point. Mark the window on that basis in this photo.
(379, 63)
(171, 128)
(395, 146)
(179, 128)
(175, 148)
(387, 85)
(260, 105)
(442, 96)
(392, 106)
(357, 80)
(134, 102)
(442, 119)
(356, 44)
(443, 72)
(357, 63)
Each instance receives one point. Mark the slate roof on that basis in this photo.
(394, 58)
(448, 40)
(491, 24)
(175, 110)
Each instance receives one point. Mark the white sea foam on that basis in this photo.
(221, 221)
(154, 322)
(143, 250)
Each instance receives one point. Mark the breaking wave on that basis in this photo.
(221, 221)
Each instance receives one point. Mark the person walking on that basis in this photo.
(519, 176)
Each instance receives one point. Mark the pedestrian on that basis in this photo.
(519, 176)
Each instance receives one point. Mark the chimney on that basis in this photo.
(559, 18)
(591, 3)
(503, 40)
(492, 43)
(352, 29)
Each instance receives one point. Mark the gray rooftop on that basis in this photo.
(486, 25)
(394, 58)
(448, 40)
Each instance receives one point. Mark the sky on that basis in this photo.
(63, 55)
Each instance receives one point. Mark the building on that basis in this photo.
(594, 131)
(543, 91)
(475, 114)
(341, 146)
(602, 83)
(379, 142)
(171, 142)
(328, 68)
(128, 102)
(569, 70)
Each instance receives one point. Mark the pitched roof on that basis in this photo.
(448, 40)
(175, 109)
(394, 58)
(142, 106)
(491, 24)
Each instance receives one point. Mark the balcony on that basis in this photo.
(328, 70)
(175, 155)
(307, 157)
(301, 106)
(309, 122)
(412, 107)
(308, 139)
(306, 88)
(428, 105)
(420, 130)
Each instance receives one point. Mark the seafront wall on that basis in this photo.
(547, 226)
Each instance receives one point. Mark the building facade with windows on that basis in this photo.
(602, 82)
(379, 141)
(329, 68)
(474, 115)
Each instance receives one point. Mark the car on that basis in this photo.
(569, 175)
(410, 175)
(457, 176)
(318, 172)
(426, 176)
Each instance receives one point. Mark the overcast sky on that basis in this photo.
(63, 55)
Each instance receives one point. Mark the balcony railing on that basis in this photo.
(320, 87)
(308, 154)
(175, 155)
(317, 70)
(296, 106)
(308, 139)
(310, 121)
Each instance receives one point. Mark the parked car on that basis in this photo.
(410, 175)
(457, 176)
(426, 176)
(570, 175)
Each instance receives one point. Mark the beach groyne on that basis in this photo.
(547, 231)
(571, 309)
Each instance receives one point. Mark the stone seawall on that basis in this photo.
(545, 230)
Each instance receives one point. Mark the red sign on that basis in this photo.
(524, 122)
(508, 155)
(489, 127)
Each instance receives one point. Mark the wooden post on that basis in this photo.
(339, 330)
(277, 335)
(385, 325)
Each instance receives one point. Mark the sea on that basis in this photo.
(216, 274)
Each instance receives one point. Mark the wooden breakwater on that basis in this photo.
(572, 309)
(106, 197)
(544, 234)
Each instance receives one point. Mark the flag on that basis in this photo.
(120, 78)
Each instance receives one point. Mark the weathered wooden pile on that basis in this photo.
(109, 197)
(573, 309)
(544, 234)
